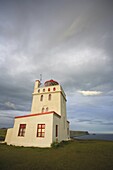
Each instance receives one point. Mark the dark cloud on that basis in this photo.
(70, 41)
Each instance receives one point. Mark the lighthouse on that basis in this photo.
(47, 122)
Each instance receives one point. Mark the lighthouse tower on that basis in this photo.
(47, 122)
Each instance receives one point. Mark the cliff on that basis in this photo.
(78, 133)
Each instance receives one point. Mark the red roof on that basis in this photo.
(38, 114)
(51, 83)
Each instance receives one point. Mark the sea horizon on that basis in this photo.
(96, 136)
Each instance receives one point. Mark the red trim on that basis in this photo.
(38, 114)
(53, 82)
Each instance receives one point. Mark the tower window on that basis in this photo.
(49, 97)
(43, 90)
(48, 89)
(42, 109)
(47, 109)
(41, 130)
(39, 91)
(54, 89)
(41, 98)
(22, 130)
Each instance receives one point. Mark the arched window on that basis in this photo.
(42, 109)
(54, 89)
(47, 109)
(48, 89)
(41, 98)
(43, 90)
(49, 97)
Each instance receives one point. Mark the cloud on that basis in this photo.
(7, 117)
(90, 93)
(10, 105)
(92, 125)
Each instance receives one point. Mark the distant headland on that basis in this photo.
(78, 133)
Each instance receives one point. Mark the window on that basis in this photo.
(56, 130)
(42, 109)
(22, 130)
(43, 90)
(49, 97)
(54, 89)
(41, 98)
(48, 89)
(41, 130)
(39, 91)
(47, 109)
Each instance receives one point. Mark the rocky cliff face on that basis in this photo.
(78, 133)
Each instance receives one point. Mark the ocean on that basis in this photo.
(108, 137)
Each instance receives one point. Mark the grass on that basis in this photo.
(2, 133)
(77, 155)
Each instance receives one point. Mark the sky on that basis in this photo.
(70, 41)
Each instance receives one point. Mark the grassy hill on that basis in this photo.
(73, 155)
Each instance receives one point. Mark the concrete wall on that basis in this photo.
(9, 135)
(57, 121)
(63, 132)
(30, 138)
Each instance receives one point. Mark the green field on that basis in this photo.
(2, 133)
(74, 155)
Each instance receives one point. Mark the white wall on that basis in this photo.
(54, 104)
(30, 138)
(9, 135)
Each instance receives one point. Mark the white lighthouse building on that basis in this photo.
(47, 122)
